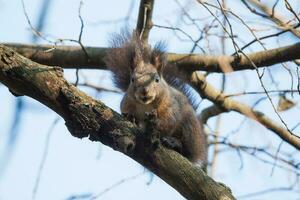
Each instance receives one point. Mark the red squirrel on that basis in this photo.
(139, 71)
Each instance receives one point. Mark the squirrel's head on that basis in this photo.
(146, 81)
(137, 68)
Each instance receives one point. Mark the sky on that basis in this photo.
(75, 166)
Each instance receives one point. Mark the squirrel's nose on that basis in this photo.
(144, 91)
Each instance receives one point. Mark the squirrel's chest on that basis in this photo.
(167, 119)
(166, 123)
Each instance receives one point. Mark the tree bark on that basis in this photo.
(87, 117)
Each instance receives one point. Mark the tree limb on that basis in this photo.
(144, 23)
(86, 117)
(74, 57)
(278, 20)
(226, 104)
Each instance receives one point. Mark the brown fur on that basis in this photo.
(146, 90)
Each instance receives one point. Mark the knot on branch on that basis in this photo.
(224, 64)
(123, 142)
(237, 58)
(6, 55)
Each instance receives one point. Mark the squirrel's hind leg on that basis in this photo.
(194, 141)
(172, 143)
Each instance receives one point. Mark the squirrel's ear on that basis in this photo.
(159, 61)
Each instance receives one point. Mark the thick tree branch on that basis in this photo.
(241, 62)
(144, 23)
(86, 117)
(74, 57)
(226, 104)
(63, 56)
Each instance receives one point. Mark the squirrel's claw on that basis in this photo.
(152, 114)
(151, 119)
(151, 132)
(151, 122)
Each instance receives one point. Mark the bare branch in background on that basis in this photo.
(100, 88)
(14, 131)
(144, 23)
(290, 188)
(270, 14)
(223, 85)
(290, 8)
(125, 19)
(253, 64)
(73, 57)
(261, 92)
(91, 196)
(183, 32)
(44, 157)
(79, 39)
(125, 180)
(207, 91)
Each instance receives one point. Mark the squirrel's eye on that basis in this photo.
(157, 79)
(132, 79)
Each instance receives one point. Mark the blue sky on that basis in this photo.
(75, 166)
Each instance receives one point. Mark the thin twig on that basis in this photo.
(44, 157)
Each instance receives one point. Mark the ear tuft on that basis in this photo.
(137, 51)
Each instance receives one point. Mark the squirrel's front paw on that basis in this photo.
(151, 119)
(171, 143)
(151, 115)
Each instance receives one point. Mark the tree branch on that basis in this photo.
(144, 23)
(63, 56)
(86, 117)
(74, 57)
(278, 20)
(226, 104)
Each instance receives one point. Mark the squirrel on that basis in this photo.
(139, 71)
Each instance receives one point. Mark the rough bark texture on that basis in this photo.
(87, 117)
